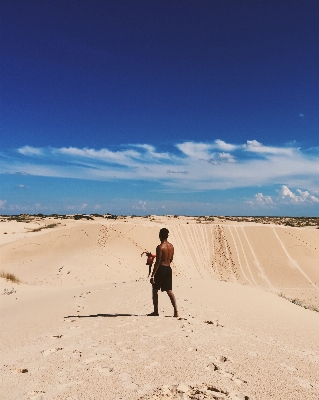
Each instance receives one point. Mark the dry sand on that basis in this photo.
(76, 328)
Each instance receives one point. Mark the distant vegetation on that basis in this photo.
(43, 227)
(9, 277)
(82, 216)
(110, 216)
(286, 221)
(300, 303)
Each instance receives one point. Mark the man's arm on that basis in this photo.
(172, 255)
(158, 258)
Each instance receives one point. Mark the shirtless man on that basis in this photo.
(161, 278)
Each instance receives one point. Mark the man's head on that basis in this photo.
(163, 233)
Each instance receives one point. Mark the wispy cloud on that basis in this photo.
(34, 207)
(30, 151)
(193, 166)
(125, 157)
(140, 206)
(255, 147)
(77, 207)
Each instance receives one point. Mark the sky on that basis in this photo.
(142, 107)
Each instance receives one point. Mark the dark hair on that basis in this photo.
(163, 233)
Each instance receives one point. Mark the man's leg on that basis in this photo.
(155, 301)
(173, 301)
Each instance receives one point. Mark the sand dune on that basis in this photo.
(78, 321)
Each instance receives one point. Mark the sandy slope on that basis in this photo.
(78, 323)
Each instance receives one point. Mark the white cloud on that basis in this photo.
(261, 200)
(151, 151)
(116, 157)
(285, 191)
(195, 150)
(314, 199)
(257, 147)
(226, 157)
(30, 151)
(225, 146)
(193, 166)
(204, 152)
(302, 196)
(3, 204)
(285, 196)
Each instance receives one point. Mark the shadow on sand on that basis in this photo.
(104, 315)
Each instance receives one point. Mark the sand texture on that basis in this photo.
(75, 327)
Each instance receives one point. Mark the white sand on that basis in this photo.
(78, 321)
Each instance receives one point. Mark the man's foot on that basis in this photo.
(153, 314)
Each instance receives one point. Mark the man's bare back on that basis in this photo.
(165, 253)
(161, 278)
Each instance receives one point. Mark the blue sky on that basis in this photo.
(160, 107)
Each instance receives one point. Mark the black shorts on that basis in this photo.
(163, 278)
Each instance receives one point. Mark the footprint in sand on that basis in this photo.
(304, 383)
(127, 381)
(76, 354)
(50, 351)
(226, 374)
(214, 323)
(220, 359)
(159, 347)
(36, 395)
(90, 360)
(123, 343)
(253, 354)
(212, 367)
(152, 365)
(292, 369)
(106, 371)
(238, 381)
(196, 392)
(144, 356)
(216, 368)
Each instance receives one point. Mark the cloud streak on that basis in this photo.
(193, 166)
